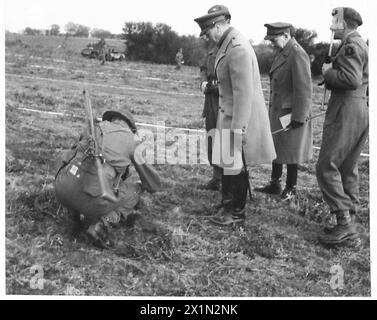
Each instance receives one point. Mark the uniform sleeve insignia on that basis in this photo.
(349, 51)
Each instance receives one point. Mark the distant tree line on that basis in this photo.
(71, 29)
(158, 43)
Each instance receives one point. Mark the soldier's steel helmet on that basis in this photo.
(125, 116)
(215, 14)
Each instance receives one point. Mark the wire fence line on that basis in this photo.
(198, 131)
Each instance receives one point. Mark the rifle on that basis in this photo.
(106, 191)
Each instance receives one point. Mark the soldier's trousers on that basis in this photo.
(234, 188)
(345, 131)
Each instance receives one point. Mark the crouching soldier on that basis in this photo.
(100, 192)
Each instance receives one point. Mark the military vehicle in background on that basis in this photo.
(113, 54)
(94, 50)
(97, 50)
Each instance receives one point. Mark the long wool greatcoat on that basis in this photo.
(291, 90)
(241, 101)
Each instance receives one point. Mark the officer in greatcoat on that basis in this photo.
(290, 97)
(244, 136)
(346, 125)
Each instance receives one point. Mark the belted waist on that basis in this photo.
(357, 93)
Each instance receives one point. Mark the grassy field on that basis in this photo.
(180, 253)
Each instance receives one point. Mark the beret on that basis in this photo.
(125, 116)
(349, 14)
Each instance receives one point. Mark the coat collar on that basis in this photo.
(281, 57)
(224, 43)
(352, 34)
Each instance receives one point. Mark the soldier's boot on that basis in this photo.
(329, 228)
(344, 230)
(232, 217)
(273, 187)
(288, 194)
(99, 235)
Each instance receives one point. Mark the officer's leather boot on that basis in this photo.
(274, 187)
(288, 194)
(232, 217)
(214, 184)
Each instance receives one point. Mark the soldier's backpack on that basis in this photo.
(77, 183)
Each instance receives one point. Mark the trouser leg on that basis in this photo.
(344, 133)
(350, 174)
(342, 217)
(239, 191)
(217, 172)
(226, 187)
(291, 175)
(330, 182)
(277, 171)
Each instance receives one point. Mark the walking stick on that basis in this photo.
(247, 175)
(290, 128)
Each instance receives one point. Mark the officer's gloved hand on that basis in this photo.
(328, 59)
(295, 124)
(203, 86)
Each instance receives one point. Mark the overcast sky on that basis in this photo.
(247, 15)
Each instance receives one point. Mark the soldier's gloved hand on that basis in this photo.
(295, 124)
(328, 59)
(203, 86)
(325, 67)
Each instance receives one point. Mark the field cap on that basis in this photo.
(125, 116)
(215, 14)
(276, 28)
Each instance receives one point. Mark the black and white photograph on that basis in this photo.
(187, 150)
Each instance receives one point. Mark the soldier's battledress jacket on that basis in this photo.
(291, 90)
(346, 125)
